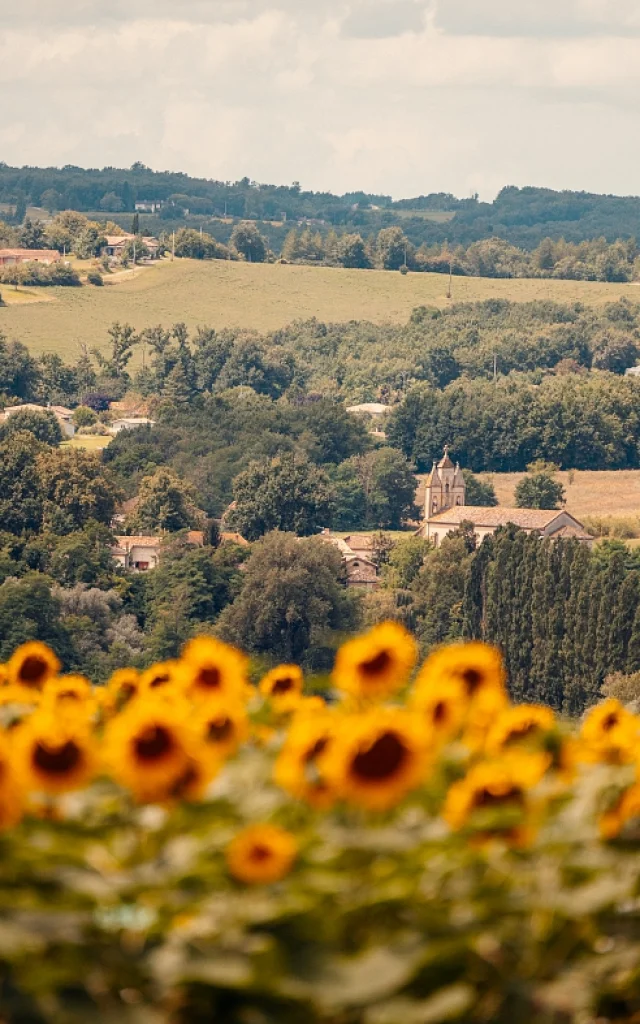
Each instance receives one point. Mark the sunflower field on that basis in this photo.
(185, 846)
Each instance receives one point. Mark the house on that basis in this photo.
(63, 415)
(361, 544)
(445, 511)
(360, 568)
(116, 245)
(148, 205)
(130, 423)
(632, 371)
(141, 553)
(10, 257)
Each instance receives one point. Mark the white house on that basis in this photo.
(130, 423)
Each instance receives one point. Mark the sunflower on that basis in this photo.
(376, 758)
(73, 694)
(55, 753)
(522, 725)
(261, 854)
(493, 798)
(32, 665)
(626, 809)
(443, 709)
(283, 686)
(146, 748)
(213, 668)
(202, 767)
(123, 685)
(222, 725)
(296, 769)
(164, 675)
(11, 792)
(477, 666)
(376, 664)
(4, 675)
(610, 734)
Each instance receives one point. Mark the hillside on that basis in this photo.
(259, 296)
(523, 216)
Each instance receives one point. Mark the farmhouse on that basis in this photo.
(10, 257)
(63, 415)
(130, 423)
(141, 553)
(445, 511)
(360, 568)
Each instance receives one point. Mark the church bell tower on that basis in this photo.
(445, 486)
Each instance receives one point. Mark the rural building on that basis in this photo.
(63, 415)
(140, 553)
(116, 245)
(148, 205)
(130, 423)
(360, 568)
(10, 257)
(445, 511)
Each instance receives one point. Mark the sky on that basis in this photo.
(399, 97)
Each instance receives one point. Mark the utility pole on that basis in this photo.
(495, 368)
(173, 247)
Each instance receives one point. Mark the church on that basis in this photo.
(446, 509)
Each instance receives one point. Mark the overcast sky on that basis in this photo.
(394, 96)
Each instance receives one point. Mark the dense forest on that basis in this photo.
(522, 216)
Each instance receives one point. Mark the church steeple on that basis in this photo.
(445, 486)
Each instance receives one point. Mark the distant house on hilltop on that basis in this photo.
(445, 511)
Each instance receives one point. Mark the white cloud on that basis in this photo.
(397, 96)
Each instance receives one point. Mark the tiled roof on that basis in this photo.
(526, 518)
(138, 542)
(34, 254)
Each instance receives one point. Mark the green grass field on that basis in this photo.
(89, 442)
(260, 296)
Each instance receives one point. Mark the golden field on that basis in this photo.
(259, 296)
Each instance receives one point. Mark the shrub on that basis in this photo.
(202, 850)
(83, 416)
(95, 277)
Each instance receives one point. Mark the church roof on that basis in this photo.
(458, 480)
(480, 515)
(434, 476)
(445, 461)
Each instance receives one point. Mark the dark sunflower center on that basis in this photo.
(219, 730)
(127, 690)
(376, 666)
(384, 759)
(153, 743)
(521, 732)
(472, 680)
(188, 778)
(440, 712)
(210, 677)
(260, 853)
(68, 695)
(486, 798)
(282, 686)
(57, 760)
(610, 721)
(159, 680)
(318, 748)
(33, 670)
